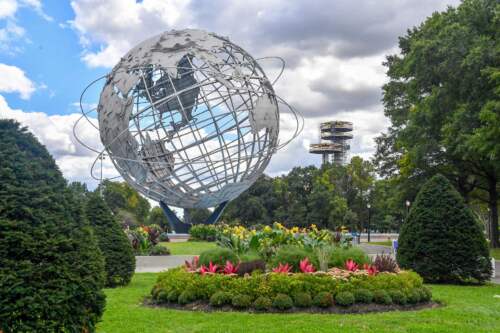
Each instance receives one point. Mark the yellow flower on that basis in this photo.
(268, 228)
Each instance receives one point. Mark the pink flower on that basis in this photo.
(282, 268)
(230, 268)
(193, 265)
(372, 270)
(350, 265)
(306, 267)
(211, 269)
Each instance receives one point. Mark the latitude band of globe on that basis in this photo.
(183, 228)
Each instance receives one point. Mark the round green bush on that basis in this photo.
(363, 296)
(173, 296)
(161, 296)
(425, 294)
(241, 301)
(344, 298)
(323, 299)
(413, 296)
(262, 303)
(398, 297)
(292, 255)
(302, 300)
(218, 256)
(164, 237)
(436, 216)
(159, 250)
(187, 296)
(220, 298)
(118, 254)
(382, 297)
(340, 255)
(51, 268)
(282, 302)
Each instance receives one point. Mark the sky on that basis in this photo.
(334, 50)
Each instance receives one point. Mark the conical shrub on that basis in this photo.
(51, 270)
(118, 255)
(441, 240)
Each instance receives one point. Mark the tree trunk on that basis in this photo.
(493, 205)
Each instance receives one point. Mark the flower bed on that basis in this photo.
(145, 241)
(337, 290)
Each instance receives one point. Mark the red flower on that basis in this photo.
(211, 269)
(372, 270)
(306, 267)
(230, 268)
(350, 265)
(282, 268)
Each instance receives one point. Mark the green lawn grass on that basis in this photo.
(384, 243)
(495, 253)
(467, 309)
(189, 248)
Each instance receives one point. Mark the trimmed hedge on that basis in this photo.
(301, 287)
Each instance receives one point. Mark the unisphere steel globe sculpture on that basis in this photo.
(189, 119)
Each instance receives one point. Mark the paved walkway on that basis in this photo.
(154, 264)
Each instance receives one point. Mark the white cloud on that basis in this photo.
(7, 8)
(13, 79)
(117, 25)
(56, 133)
(12, 32)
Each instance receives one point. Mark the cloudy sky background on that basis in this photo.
(49, 52)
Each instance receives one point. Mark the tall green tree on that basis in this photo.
(125, 200)
(118, 255)
(51, 269)
(442, 99)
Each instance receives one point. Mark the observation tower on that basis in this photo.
(334, 144)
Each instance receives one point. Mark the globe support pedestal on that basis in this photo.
(183, 228)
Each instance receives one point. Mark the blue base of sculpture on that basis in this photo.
(183, 228)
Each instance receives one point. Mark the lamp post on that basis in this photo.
(408, 203)
(369, 217)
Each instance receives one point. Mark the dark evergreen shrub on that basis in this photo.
(218, 256)
(51, 269)
(323, 299)
(187, 296)
(262, 303)
(292, 255)
(363, 296)
(119, 258)
(441, 240)
(241, 301)
(344, 298)
(398, 297)
(382, 297)
(302, 300)
(282, 302)
(248, 267)
(220, 298)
